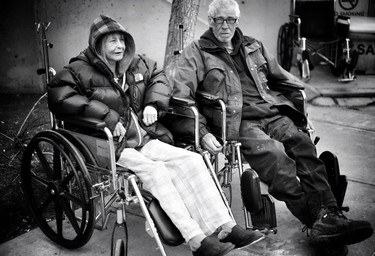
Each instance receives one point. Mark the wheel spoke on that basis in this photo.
(70, 214)
(40, 180)
(43, 161)
(73, 198)
(56, 164)
(67, 179)
(59, 219)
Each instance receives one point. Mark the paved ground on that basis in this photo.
(346, 131)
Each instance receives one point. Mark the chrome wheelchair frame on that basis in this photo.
(258, 209)
(304, 37)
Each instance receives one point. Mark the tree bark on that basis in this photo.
(181, 31)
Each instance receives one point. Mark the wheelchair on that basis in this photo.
(258, 209)
(72, 185)
(257, 204)
(315, 33)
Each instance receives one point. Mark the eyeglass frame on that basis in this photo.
(225, 20)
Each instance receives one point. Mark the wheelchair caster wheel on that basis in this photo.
(120, 248)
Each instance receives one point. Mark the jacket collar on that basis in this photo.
(89, 57)
(209, 43)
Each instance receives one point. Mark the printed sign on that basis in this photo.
(352, 7)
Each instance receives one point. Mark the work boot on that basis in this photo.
(333, 250)
(241, 237)
(211, 246)
(332, 226)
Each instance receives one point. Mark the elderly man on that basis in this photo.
(241, 71)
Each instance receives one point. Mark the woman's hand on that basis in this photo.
(119, 131)
(150, 115)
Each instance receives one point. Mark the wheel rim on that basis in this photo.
(285, 46)
(54, 179)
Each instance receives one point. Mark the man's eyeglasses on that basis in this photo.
(221, 20)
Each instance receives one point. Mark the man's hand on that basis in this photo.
(119, 131)
(150, 115)
(211, 144)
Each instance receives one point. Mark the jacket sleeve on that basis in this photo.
(158, 91)
(283, 81)
(188, 74)
(66, 97)
(278, 77)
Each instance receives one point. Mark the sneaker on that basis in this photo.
(241, 237)
(211, 246)
(332, 226)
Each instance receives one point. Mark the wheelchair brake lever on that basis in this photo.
(316, 140)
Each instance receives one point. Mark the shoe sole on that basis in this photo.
(349, 237)
(251, 243)
(228, 250)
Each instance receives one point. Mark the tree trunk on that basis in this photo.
(181, 31)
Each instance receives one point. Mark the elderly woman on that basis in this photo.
(110, 82)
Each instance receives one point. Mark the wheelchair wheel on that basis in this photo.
(57, 189)
(354, 60)
(341, 64)
(120, 248)
(285, 46)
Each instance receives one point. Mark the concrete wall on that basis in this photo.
(19, 58)
(146, 20)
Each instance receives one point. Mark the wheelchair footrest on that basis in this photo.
(260, 206)
(337, 182)
(265, 219)
(168, 232)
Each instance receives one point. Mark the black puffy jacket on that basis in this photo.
(86, 87)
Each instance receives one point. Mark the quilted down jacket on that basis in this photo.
(87, 87)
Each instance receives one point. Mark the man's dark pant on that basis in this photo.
(280, 153)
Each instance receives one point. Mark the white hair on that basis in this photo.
(222, 4)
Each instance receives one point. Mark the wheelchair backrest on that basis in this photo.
(317, 17)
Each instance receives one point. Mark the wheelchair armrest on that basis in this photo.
(208, 99)
(81, 121)
(176, 101)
